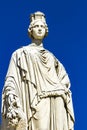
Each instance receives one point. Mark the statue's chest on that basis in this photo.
(42, 58)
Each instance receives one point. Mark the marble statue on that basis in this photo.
(36, 93)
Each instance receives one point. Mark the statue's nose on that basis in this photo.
(39, 29)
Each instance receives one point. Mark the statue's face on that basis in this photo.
(38, 31)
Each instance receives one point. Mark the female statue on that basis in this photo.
(36, 94)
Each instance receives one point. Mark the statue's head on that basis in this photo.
(38, 28)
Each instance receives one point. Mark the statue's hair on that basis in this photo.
(32, 25)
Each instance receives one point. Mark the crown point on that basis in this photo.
(37, 16)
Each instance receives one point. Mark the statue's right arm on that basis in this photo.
(11, 106)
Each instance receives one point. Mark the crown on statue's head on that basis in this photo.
(37, 16)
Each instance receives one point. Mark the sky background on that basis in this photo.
(67, 39)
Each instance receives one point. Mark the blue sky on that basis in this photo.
(67, 39)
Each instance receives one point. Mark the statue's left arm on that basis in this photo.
(65, 82)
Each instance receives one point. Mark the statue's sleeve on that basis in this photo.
(12, 111)
(62, 74)
(12, 82)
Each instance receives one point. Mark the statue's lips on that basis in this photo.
(39, 32)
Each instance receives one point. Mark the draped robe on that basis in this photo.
(34, 75)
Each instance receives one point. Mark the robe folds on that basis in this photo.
(36, 77)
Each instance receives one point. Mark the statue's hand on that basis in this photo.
(15, 115)
(14, 110)
(12, 116)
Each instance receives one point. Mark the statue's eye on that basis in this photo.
(42, 26)
(36, 26)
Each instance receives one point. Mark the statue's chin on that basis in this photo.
(38, 37)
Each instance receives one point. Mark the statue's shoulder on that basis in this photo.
(50, 53)
(20, 51)
(17, 52)
(56, 60)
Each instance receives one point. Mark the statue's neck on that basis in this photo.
(37, 42)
